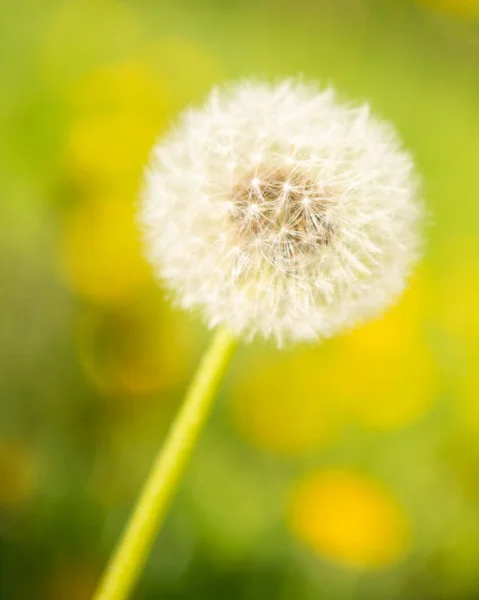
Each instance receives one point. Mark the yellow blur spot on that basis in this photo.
(109, 145)
(18, 474)
(382, 375)
(385, 372)
(468, 392)
(282, 407)
(389, 390)
(127, 87)
(398, 326)
(458, 7)
(349, 518)
(101, 251)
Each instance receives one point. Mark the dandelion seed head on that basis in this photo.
(278, 211)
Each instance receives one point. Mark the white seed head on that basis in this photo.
(278, 211)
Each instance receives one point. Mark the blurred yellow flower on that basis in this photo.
(398, 326)
(18, 473)
(109, 145)
(459, 7)
(101, 255)
(120, 109)
(388, 390)
(82, 34)
(125, 87)
(282, 407)
(349, 518)
(391, 372)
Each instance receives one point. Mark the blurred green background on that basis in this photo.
(350, 470)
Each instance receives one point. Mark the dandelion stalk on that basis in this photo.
(131, 554)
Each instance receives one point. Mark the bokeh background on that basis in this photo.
(348, 470)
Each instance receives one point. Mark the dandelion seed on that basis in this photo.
(315, 229)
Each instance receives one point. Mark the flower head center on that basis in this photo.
(285, 208)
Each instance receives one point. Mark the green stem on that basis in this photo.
(130, 556)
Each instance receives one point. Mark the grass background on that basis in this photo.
(349, 470)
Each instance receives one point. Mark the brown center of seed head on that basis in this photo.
(284, 208)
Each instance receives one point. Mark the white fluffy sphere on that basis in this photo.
(277, 210)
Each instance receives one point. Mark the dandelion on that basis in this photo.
(278, 211)
(275, 211)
